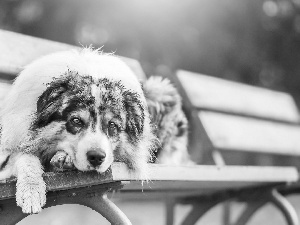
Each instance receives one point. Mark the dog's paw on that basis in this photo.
(61, 161)
(31, 195)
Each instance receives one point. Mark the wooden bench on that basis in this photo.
(202, 186)
(240, 124)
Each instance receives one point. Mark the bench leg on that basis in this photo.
(110, 211)
(226, 213)
(170, 207)
(285, 207)
(252, 207)
(100, 203)
(92, 197)
(11, 214)
(277, 200)
(198, 211)
(255, 200)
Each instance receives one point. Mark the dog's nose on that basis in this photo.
(95, 157)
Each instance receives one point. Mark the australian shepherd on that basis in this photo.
(81, 108)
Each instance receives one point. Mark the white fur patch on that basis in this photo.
(31, 188)
(96, 94)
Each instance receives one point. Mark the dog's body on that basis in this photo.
(169, 121)
(85, 106)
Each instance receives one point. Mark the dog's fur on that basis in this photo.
(72, 106)
(169, 121)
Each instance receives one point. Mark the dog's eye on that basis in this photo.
(112, 129)
(76, 121)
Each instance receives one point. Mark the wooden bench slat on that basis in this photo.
(193, 187)
(17, 50)
(216, 94)
(228, 132)
(204, 173)
(163, 177)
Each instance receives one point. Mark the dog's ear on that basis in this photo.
(50, 95)
(135, 115)
(49, 103)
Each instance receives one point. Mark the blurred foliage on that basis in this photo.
(251, 41)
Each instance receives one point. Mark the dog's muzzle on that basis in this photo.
(95, 158)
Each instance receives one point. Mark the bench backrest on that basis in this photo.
(229, 116)
(237, 118)
(17, 50)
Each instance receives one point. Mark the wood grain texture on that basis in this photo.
(17, 50)
(229, 132)
(221, 95)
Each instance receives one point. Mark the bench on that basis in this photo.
(202, 186)
(240, 124)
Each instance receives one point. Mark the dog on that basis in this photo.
(82, 108)
(168, 120)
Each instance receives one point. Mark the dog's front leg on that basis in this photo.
(31, 188)
(61, 161)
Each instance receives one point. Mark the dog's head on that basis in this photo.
(97, 119)
(86, 103)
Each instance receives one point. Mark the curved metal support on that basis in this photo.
(198, 211)
(226, 213)
(11, 214)
(285, 207)
(279, 201)
(170, 206)
(108, 210)
(100, 204)
(92, 197)
(252, 207)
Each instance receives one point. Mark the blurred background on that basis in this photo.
(251, 41)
